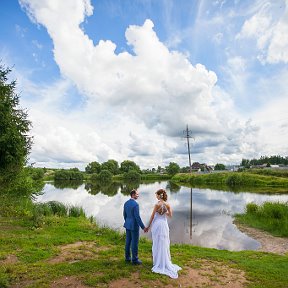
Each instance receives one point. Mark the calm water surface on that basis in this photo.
(203, 217)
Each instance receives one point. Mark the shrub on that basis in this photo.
(71, 174)
(132, 175)
(233, 180)
(104, 176)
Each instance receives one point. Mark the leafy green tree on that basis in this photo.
(35, 173)
(93, 167)
(70, 174)
(111, 165)
(273, 160)
(132, 175)
(185, 169)
(245, 163)
(219, 166)
(128, 165)
(105, 176)
(173, 168)
(15, 142)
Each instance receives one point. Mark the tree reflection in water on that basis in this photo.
(173, 187)
(61, 184)
(127, 186)
(106, 188)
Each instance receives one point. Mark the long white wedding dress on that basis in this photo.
(161, 247)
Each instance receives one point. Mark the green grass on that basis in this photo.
(53, 208)
(35, 247)
(232, 179)
(271, 217)
(270, 172)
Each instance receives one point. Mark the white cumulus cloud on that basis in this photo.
(270, 33)
(136, 104)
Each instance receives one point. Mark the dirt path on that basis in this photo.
(208, 274)
(268, 242)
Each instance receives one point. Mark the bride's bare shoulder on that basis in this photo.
(157, 205)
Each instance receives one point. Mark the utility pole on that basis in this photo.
(187, 134)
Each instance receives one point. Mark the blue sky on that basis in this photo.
(121, 79)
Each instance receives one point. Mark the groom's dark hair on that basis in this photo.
(133, 192)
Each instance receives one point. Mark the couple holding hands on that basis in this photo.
(160, 233)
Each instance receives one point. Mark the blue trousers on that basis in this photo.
(132, 240)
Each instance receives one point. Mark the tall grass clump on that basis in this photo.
(58, 208)
(43, 211)
(275, 210)
(251, 208)
(75, 211)
(270, 216)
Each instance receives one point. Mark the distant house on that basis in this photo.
(233, 167)
(196, 166)
(274, 166)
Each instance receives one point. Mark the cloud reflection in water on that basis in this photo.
(209, 225)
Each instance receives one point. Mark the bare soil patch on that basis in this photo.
(76, 252)
(269, 243)
(203, 274)
(68, 282)
(10, 259)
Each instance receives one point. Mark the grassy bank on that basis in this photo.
(271, 217)
(270, 172)
(231, 179)
(68, 247)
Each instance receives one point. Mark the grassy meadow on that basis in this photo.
(64, 247)
(53, 245)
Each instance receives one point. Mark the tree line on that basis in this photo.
(127, 168)
(268, 160)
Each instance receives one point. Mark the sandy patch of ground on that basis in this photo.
(68, 282)
(10, 259)
(268, 242)
(76, 252)
(205, 274)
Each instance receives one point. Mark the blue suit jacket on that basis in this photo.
(131, 215)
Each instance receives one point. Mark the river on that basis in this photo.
(201, 217)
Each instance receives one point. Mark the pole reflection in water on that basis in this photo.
(191, 213)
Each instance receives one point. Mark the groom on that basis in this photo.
(132, 223)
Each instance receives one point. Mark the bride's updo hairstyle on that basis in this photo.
(162, 193)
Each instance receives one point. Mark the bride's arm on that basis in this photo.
(152, 216)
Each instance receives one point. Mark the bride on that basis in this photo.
(160, 236)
